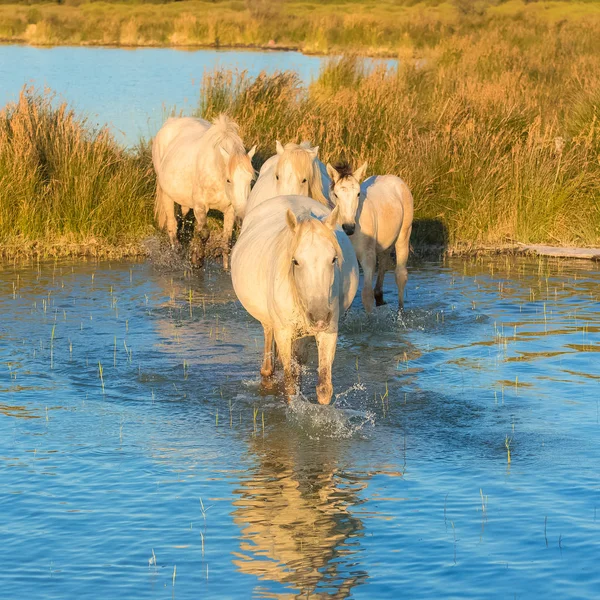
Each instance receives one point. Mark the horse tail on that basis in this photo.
(402, 243)
(160, 214)
(315, 184)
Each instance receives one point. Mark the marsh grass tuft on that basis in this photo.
(65, 184)
(472, 128)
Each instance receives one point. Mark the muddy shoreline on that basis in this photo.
(151, 246)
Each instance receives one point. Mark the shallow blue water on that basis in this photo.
(406, 493)
(133, 90)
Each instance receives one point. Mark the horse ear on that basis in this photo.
(360, 172)
(333, 174)
(278, 147)
(224, 154)
(251, 152)
(314, 152)
(292, 222)
(331, 220)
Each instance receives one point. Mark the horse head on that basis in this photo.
(315, 257)
(345, 193)
(239, 174)
(297, 171)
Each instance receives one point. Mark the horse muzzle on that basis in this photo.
(348, 229)
(320, 322)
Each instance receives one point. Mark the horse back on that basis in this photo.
(173, 129)
(382, 216)
(174, 152)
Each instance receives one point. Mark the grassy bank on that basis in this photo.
(377, 27)
(497, 136)
(499, 142)
(66, 188)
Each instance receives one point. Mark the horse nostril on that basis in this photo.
(348, 229)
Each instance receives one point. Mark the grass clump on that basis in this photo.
(64, 183)
(499, 142)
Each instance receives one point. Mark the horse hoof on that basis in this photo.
(268, 383)
(197, 260)
(267, 373)
(379, 301)
(324, 393)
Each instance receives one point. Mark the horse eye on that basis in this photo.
(358, 195)
(229, 181)
(295, 262)
(277, 177)
(304, 181)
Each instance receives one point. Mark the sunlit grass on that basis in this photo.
(381, 27)
(497, 136)
(64, 183)
(498, 144)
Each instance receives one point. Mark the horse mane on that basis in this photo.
(303, 162)
(344, 169)
(225, 132)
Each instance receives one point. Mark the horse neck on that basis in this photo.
(283, 267)
(360, 208)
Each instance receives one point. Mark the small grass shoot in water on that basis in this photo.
(52, 347)
(204, 510)
(100, 374)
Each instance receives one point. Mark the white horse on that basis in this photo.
(293, 170)
(295, 272)
(377, 216)
(200, 165)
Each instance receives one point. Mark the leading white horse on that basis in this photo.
(294, 170)
(201, 165)
(377, 216)
(296, 272)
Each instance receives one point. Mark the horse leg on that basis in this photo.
(268, 364)
(383, 265)
(198, 247)
(326, 343)
(166, 209)
(301, 350)
(284, 346)
(368, 264)
(402, 249)
(300, 357)
(228, 221)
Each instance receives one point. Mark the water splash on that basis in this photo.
(162, 256)
(318, 421)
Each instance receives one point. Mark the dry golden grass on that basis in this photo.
(63, 184)
(497, 142)
(497, 134)
(328, 26)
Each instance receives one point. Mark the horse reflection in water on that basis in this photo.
(294, 511)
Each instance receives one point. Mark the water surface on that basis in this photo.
(132, 90)
(174, 474)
